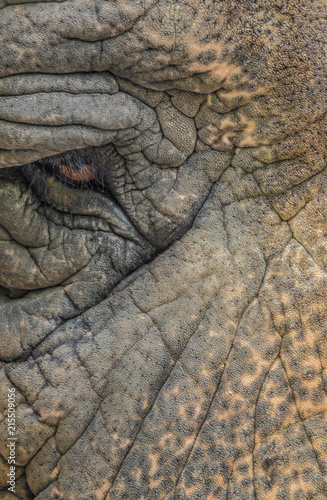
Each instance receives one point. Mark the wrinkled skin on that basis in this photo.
(175, 347)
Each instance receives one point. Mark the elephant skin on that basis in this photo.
(163, 317)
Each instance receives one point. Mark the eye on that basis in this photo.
(81, 173)
(87, 169)
(74, 171)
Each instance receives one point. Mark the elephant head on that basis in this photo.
(163, 249)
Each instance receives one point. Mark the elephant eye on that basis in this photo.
(78, 175)
(74, 173)
(81, 173)
(81, 169)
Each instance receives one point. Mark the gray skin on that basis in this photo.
(166, 337)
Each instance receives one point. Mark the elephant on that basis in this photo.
(163, 249)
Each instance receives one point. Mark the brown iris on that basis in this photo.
(83, 173)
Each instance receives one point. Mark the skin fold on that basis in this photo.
(163, 251)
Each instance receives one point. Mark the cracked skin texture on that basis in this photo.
(174, 349)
